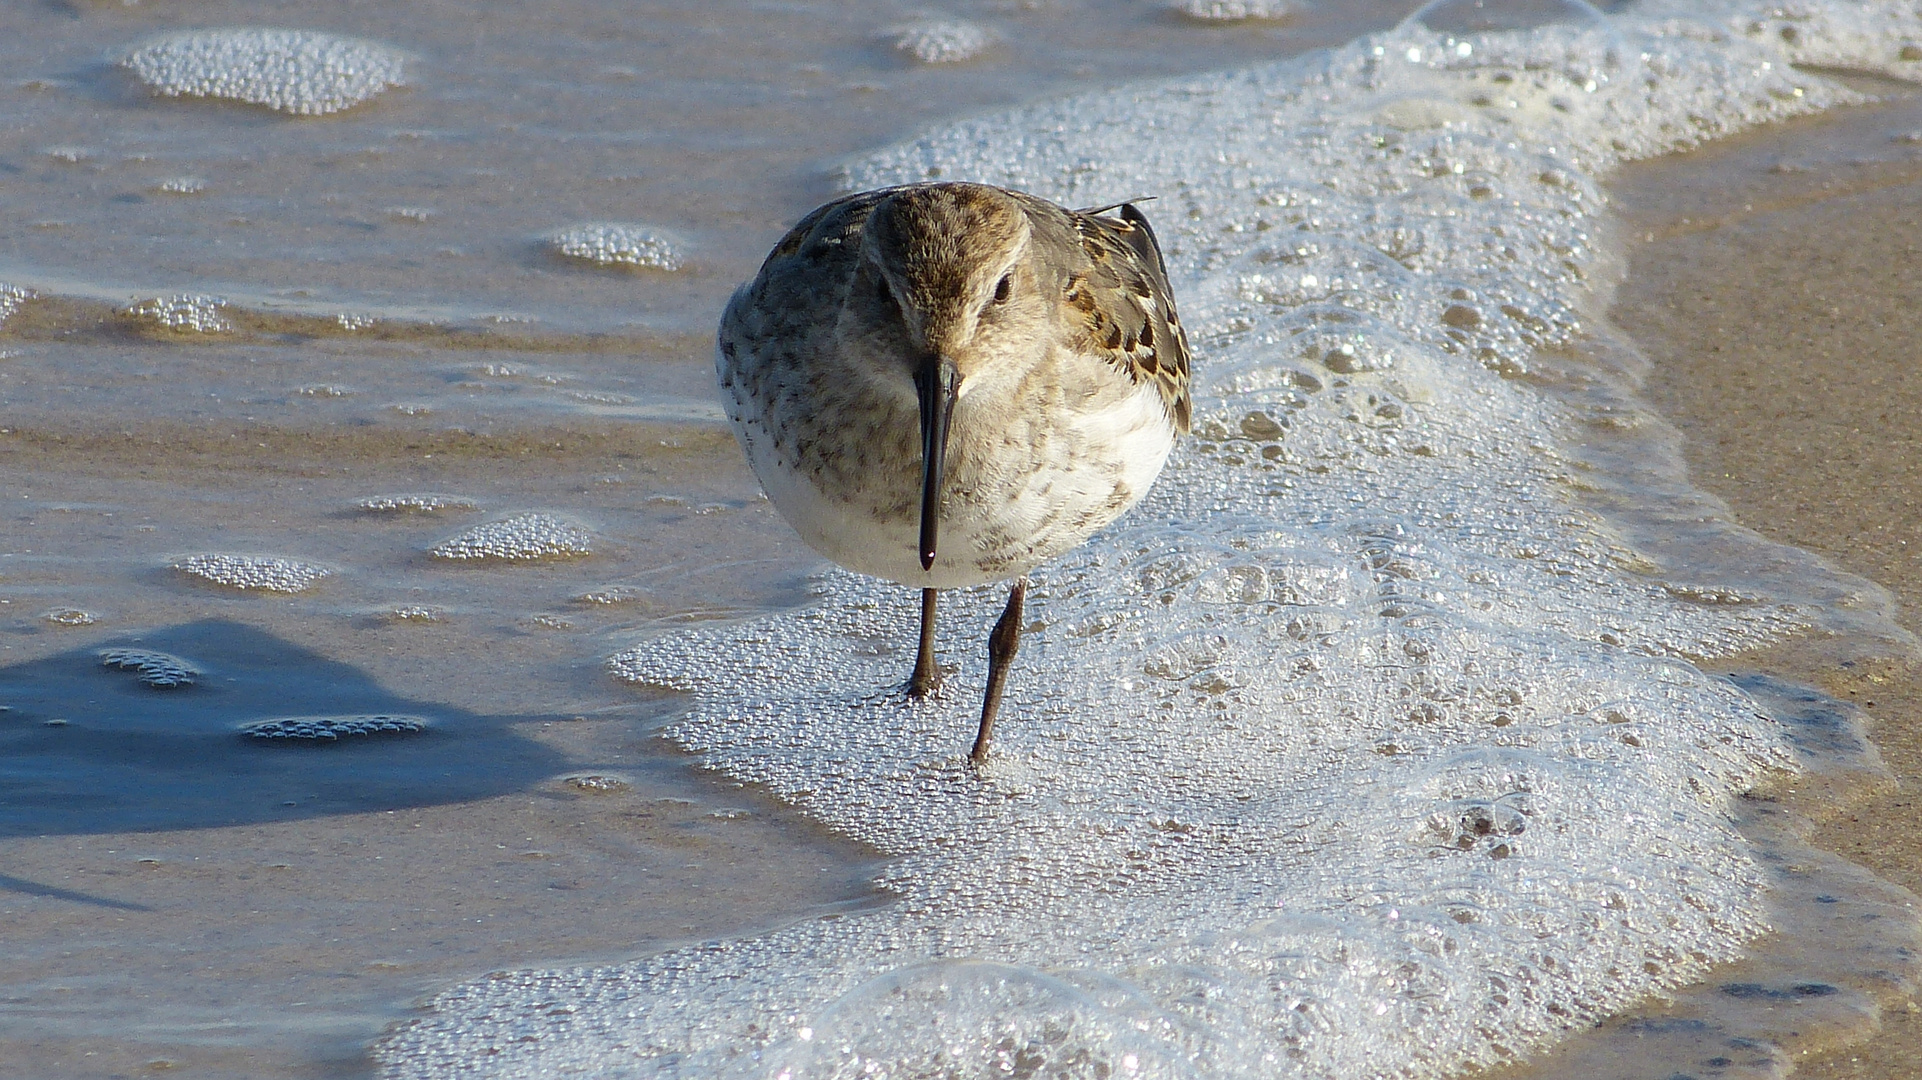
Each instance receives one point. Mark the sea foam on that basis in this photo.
(304, 72)
(11, 297)
(520, 538)
(1360, 747)
(942, 41)
(268, 573)
(619, 244)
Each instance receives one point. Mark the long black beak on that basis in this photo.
(939, 384)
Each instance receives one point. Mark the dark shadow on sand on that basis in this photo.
(133, 757)
(9, 883)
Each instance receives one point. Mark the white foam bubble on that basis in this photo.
(416, 503)
(497, 370)
(181, 185)
(608, 243)
(161, 670)
(602, 397)
(1360, 747)
(941, 41)
(304, 72)
(332, 728)
(598, 784)
(269, 573)
(187, 312)
(611, 595)
(1236, 10)
(11, 297)
(520, 538)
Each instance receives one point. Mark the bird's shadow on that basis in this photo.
(88, 747)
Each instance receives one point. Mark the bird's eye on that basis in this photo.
(1003, 288)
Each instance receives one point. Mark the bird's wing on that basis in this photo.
(1127, 308)
(769, 319)
(832, 224)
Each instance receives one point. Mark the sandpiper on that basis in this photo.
(948, 384)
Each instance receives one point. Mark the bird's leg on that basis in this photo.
(1002, 644)
(927, 676)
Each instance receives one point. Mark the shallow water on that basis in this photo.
(716, 123)
(178, 895)
(188, 897)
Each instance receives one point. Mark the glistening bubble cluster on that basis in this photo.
(416, 503)
(11, 297)
(1236, 10)
(941, 41)
(268, 573)
(186, 312)
(304, 72)
(521, 538)
(162, 671)
(326, 729)
(618, 244)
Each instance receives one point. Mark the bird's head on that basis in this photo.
(950, 262)
(948, 257)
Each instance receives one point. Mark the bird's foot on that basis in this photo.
(926, 683)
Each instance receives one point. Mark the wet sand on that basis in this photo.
(401, 322)
(1774, 280)
(1818, 230)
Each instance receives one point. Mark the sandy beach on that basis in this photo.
(1773, 281)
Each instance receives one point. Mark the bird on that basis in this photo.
(947, 384)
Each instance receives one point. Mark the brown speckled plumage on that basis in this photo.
(1069, 364)
(808, 350)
